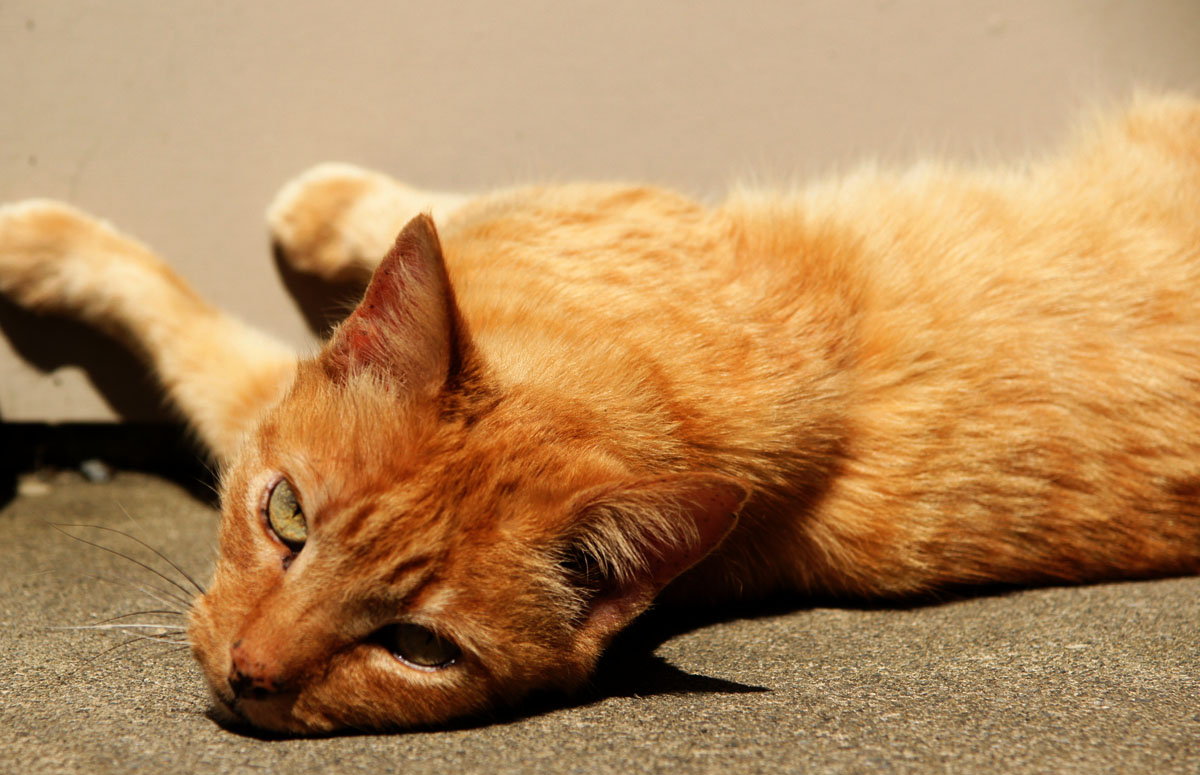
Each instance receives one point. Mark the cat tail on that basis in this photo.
(219, 373)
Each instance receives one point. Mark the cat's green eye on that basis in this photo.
(418, 646)
(285, 516)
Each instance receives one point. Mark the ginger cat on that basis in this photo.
(562, 400)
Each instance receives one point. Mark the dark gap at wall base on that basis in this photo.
(96, 450)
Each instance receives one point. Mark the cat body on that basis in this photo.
(562, 403)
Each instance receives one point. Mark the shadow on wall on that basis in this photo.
(323, 304)
(48, 343)
(149, 436)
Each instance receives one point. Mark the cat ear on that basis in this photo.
(407, 324)
(633, 540)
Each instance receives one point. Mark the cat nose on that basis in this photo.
(252, 678)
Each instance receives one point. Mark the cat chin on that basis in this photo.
(274, 714)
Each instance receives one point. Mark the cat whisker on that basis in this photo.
(133, 640)
(166, 638)
(166, 634)
(152, 626)
(160, 611)
(59, 527)
(111, 649)
(214, 476)
(159, 553)
(140, 542)
(162, 596)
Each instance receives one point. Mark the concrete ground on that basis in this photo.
(1091, 680)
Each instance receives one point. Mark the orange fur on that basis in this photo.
(541, 417)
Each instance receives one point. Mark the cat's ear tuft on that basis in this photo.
(407, 325)
(632, 540)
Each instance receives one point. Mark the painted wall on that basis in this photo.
(178, 120)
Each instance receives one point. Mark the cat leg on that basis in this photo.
(337, 221)
(219, 372)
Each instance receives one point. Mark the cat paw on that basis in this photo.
(337, 221)
(330, 222)
(37, 240)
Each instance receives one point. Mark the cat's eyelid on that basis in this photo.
(427, 669)
(265, 490)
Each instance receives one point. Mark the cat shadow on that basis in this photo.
(147, 439)
(631, 668)
(48, 343)
(322, 303)
(628, 668)
(627, 675)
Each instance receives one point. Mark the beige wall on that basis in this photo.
(178, 119)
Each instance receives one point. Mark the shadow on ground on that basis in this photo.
(1101, 678)
(98, 450)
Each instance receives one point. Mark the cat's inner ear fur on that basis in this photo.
(630, 541)
(407, 325)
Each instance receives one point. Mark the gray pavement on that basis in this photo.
(1094, 679)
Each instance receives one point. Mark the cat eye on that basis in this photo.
(418, 646)
(285, 516)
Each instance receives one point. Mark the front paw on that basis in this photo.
(317, 221)
(337, 221)
(38, 243)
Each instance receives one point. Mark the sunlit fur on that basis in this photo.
(877, 386)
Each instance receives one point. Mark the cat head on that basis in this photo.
(406, 541)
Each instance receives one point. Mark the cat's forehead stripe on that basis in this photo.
(352, 524)
(404, 570)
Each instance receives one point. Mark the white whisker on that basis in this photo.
(162, 596)
(170, 627)
(156, 639)
(162, 556)
(187, 592)
(152, 612)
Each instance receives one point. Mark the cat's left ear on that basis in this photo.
(407, 325)
(632, 540)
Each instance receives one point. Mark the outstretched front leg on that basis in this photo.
(337, 221)
(219, 372)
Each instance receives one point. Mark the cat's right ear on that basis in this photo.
(407, 325)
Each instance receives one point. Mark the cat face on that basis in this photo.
(409, 586)
(404, 542)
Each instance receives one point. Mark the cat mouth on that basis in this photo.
(272, 713)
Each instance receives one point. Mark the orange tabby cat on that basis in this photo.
(563, 399)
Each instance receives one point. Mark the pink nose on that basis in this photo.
(251, 676)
